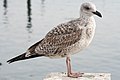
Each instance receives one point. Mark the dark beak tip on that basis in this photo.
(98, 14)
(101, 16)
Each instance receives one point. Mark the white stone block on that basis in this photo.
(86, 76)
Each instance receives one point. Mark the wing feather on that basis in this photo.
(60, 37)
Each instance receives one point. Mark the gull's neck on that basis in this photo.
(85, 17)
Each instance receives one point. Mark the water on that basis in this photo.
(23, 22)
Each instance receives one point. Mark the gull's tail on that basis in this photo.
(22, 57)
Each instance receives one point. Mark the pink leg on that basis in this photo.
(69, 70)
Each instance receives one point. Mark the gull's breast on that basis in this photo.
(86, 38)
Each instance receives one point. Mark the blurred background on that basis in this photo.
(24, 22)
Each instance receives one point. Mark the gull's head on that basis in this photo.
(89, 9)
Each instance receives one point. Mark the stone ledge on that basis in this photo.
(86, 76)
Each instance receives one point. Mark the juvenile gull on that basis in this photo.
(65, 39)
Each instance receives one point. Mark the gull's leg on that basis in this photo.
(68, 65)
(69, 70)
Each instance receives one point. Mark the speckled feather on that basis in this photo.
(59, 41)
(67, 38)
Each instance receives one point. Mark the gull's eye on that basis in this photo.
(86, 7)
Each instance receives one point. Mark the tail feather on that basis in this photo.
(22, 57)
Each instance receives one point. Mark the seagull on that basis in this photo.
(66, 39)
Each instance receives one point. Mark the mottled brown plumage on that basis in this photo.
(66, 38)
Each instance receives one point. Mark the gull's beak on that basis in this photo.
(97, 13)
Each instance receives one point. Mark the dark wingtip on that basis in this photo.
(10, 61)
(20, 57)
